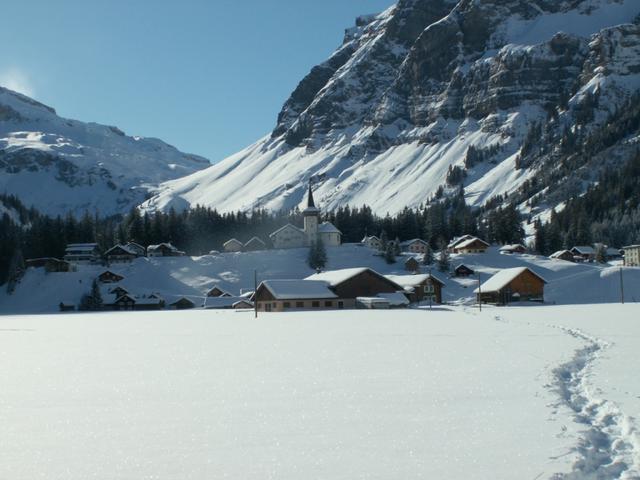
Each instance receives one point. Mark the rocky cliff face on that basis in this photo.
(426, 87)
(65, 166)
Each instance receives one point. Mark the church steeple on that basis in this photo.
(310, 202)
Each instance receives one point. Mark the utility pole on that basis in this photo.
(255, 294)
(621, 287)
(479, 292)
(431, 290)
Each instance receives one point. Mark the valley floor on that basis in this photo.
(450, 393)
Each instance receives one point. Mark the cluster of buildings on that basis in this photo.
(292, 236)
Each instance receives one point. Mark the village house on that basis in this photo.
(142, 303)
(350, 283)
(183, 303)
(109, 277)
(411, 265)
(218, 292)
(515, 248)
(82, 253)
(470, 245)
(50, 264)
(632, 256)
(233, 245)
(512, 285)
(255, 244)
(463, 271)
(372, 242)
(226, 302)
(120, 254)
(164, 250)
(565, 255)
(584, 253)
(420, 288)
(283, 295)
(612, 253)
(458, 240)
(136, 248)
(415, 245)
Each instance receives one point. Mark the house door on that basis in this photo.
(267, 307)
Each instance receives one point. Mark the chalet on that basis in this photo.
(109, 277)
(282, 295)
(124, 302)
(372, 242)
(117, 290)
(183, 303)
(50, 264)
(82, 253)
(254, 244)
(458, 240)
(351, 283)
(164, 250)
(218, 292)
(233, 245)
(120, 254)
(415, 245)
(632, 256)
(136, 248)
(471, 245)
(411, 265)
(584, 253)
(512, 285)
(463, 271)
(565, 255)
(420, 288)
(150, 302)
(613, 254)
(511, 249)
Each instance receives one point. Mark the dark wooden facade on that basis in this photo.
(525, 287)
(365, 284)
(182, 304)
(430, 287)
(109, 277)
(463, 271)
(411, 265)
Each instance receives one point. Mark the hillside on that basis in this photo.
(65, 166)
(569, 283)
(435, 94)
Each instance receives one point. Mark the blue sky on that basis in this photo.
(206, 76)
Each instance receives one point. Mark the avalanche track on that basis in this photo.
(608, 447)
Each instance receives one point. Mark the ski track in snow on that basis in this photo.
(609, 447)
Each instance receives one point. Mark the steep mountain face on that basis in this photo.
(60, 166)
(432, 95)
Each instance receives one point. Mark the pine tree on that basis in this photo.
(427, 258)
(317, 256)
(601, 253)
(15, 270)
(444, 260)
(389, 253)
(397, 250)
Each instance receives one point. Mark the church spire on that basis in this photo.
(310, 202)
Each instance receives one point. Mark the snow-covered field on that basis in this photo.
(452, 393)
(569, 283)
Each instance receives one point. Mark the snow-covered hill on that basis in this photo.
(172, 277)
(428, 85)
(60, 165)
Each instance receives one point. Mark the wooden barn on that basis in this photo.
(283, 295)
(415, 245)
(183, 303)
(120, 254)
(164, 250)
(50, 264)
(512, 249)
(218, 292)
(471, 245)
(352, 283)
(565, 255)
(512, 285)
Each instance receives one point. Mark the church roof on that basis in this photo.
(328, 227)
(286, 227)
(311, 205)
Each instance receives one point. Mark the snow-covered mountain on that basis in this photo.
(430, 85)
(59, 165)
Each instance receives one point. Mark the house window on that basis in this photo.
(287, 305)
(299, 304)
(340, 304)
(429, 288)
(328, 303)
(315, 304)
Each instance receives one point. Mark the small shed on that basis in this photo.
(565, 255)
(182, 303)
(242, 305)
(233, 245)
(255, 244)
(463, 271)
(411, 265)
(514, 248)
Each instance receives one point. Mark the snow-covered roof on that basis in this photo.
(255, 240)
(126, 248)
(221, 302)
(469, 242)
(286, 227)
(328, 227)
(613, 251)
(458, 240)
(81, 247)
(584, 250)
(335, 277)
(412, 280)
(515, 246)
(413, 240)
(560, 253)
(370, 238)
(630, 247)
(243, 302)
(504, 278)
(232, 240)
(151, 300)
(296, 289)
(396, 299)
(161, 245)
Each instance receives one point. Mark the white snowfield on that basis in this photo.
(509, 393)
(174, 277)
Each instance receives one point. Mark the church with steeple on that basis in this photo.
(291, 236)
